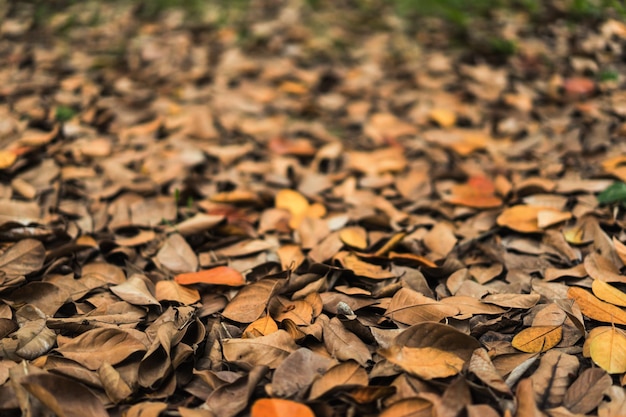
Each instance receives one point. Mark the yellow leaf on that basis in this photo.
(7, 158)
(426, 363)
(354, 236)
(295, 203)
(443, 117)
(607, 292)
(261, 327)
(538, 339)
(607, 348)
(595, 309)
(530, 219)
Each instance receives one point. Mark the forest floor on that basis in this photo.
(310, 213)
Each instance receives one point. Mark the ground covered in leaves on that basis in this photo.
(309, 217)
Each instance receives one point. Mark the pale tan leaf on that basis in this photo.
(270, 350)
(426, 363)
(410, 307)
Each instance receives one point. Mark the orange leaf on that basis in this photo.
(595, 309)
(478, 192)
(426, 363)
(537, 339)
(607, 292)
(221, 275)
(276, 407)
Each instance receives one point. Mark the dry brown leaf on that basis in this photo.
(480, 365)
(177, 256)
(95, 347)
(426, 363)
(295, 375)
(146, 409)
(595, 309)
(63, 396)
(601, 268)
(220, 275)
(354, 236)
(137, 290)
(230, 399)
(270, 350)
(251, 301)
(410, 307)
(360, 268)
(346, 374)
(414, 407)
(587, 391)
(343, 344)
(440, 336)
(512, 300)
(607, 348)
(538, 338)
(171, 291)
(553, 377)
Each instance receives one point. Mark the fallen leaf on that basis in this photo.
(220, 275)
(554, 375)
(177, 255)
(276, 407)
(537, 338)
(63, 396)
(607, 292)
(426, 363)
(251, 301)
(345, 375)
(97, 346)
(270, 350)
(595, 309)
(607, 348)
(410, 307)
(587, 391)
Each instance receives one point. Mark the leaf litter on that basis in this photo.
(193, 224)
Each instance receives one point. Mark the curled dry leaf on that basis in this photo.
(426, 363)
(220, 275)
(595, 309)
(276, 407)
(538, 338)
(230, 399)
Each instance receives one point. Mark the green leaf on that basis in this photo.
(615, 193)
